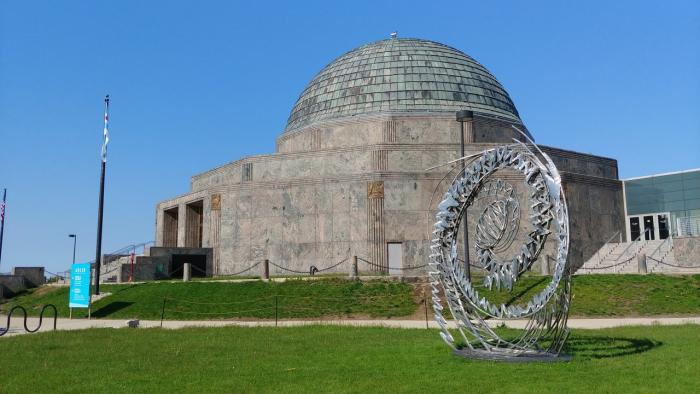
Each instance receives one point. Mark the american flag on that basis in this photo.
(2, 206)
(105, 131)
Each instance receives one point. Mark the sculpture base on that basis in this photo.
(511, 357)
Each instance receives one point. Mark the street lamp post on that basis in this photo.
(465, 119)
(75, 240)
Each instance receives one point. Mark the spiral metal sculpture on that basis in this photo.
(546, 312)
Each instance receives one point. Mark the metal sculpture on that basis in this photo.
(546, 312)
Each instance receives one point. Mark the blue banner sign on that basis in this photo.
(79, 286)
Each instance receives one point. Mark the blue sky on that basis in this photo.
(198, 84)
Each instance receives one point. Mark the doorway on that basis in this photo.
(395, 254)
(198, 262)
(649, 227)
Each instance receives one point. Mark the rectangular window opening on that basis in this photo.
(194, 224)
(170, 219)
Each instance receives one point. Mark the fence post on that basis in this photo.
(162, 313)
(266, 270)
(275, 310)
(186, 272)
(353, 267)
(425, 305)
(642, 263)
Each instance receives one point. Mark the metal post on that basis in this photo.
(462, 118)
(133, 256)
(98, 248)
(425, 305)
(275, 310)
(353, 269)
(162, 313)
(2, 220)
(75, 240)
(266, 270)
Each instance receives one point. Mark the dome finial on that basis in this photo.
(394, 34)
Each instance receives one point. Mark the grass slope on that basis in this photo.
(219, 300)
(337, 359)
(593, 295)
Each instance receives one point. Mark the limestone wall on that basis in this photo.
(686, 251)
(311, 204)
(11, 285)
(34, 276)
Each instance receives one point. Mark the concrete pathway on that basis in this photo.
(81, 324)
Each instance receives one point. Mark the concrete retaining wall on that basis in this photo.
(686, 251)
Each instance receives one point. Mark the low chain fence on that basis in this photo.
(277, 307)
(267, 270)
(685, 267)
(605, 267)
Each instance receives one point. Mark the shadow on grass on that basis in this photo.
(111, 308)
(599, 347)
(526, 290)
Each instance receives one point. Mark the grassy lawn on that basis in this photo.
(337, 359)
(221, 300)
(593, 295)
(620, 295)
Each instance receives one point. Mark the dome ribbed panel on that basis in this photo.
(401, 75)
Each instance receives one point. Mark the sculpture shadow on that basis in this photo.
(111, 308)
(524, 291)
(600, 347)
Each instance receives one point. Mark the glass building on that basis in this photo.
(659, 206)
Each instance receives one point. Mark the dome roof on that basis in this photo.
(401, 75)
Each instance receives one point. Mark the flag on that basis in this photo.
(2, 208)
(105, 131)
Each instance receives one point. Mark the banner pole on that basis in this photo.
(98, 251)
(2, 220)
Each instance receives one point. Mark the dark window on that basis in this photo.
(649, 228)
(663, 226)
(634, 229)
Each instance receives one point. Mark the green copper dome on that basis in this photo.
(401, 75)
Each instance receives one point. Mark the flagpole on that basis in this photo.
(2, 220)
(98, 252)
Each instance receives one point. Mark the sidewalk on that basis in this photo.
(81, 324)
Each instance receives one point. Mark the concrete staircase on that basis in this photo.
(621, 257)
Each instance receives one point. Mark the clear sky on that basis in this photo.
(196, 84)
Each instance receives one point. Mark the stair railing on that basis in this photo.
(641, 246)
(598, 258)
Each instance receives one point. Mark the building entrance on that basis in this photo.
(649, 227)
(197, 261)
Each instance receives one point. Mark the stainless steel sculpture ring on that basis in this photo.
(546, 312)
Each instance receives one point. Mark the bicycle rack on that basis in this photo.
(5, 330)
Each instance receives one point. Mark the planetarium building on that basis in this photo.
(361, 165)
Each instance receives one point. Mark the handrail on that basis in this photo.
(659, 247)
(612, 236)
(24, 312)
(600, 259)
(670, 248)
(632, 243)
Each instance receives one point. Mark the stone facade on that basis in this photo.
(686, 251)
(350, 173)
(311, 203)
(34, 276)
